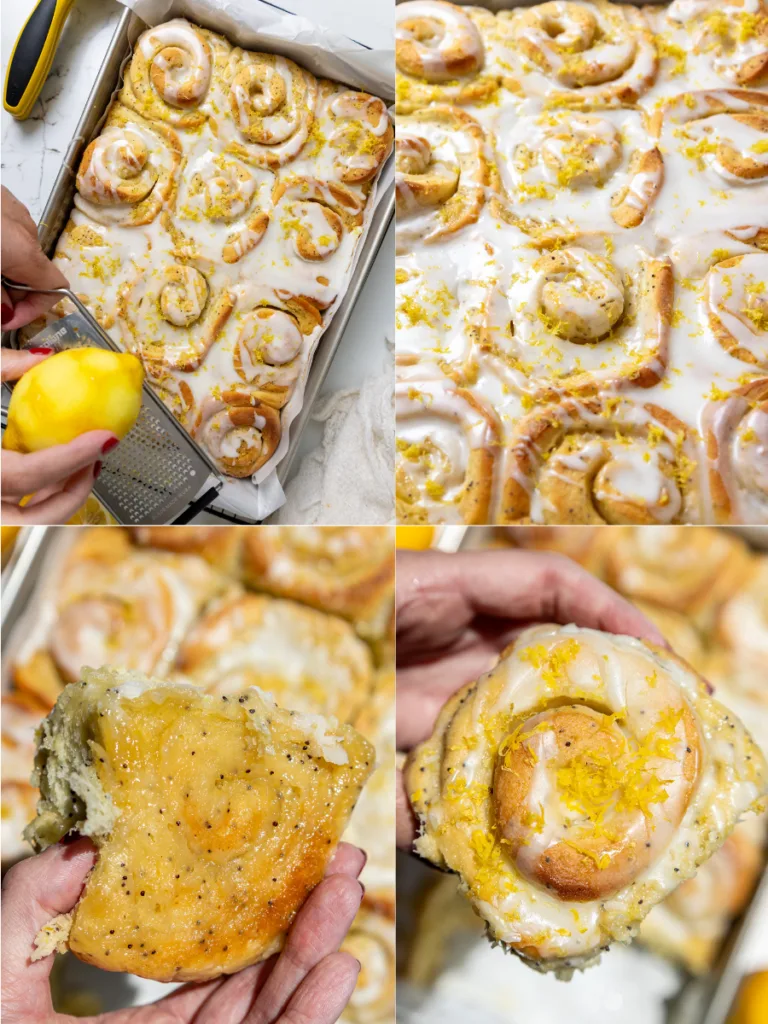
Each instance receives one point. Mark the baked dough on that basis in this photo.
(346, 570)
(582, 188)
(689, 571)
(219, 545)
(214, 818)
(114, 604)
(308, 661)
(20, 719)
(371, 940)
(689, 925)
(372, 826)
(576, 785)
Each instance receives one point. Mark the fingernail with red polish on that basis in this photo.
(96, 470)
(6, 312)
(44, 350)
(110, 444)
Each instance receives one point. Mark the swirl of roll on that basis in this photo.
(589, 54)
(316, 230)
(439, 53)
(737, 306)
(575, 785)
(315, 216)
(742, 623)
(220, 211)
(344, 570)
(690, 572)
(239, 432)
(441, 172)
(361, 135)
(266, 346)
(601, 461)
(447, 444)
(734, 33)
(128, 174)
(119, 606)
(371, 941)
(272, 105)
(169, 75)
(691, 923)
(735, 428)
(723, 132)
(562, 155)
(171, 315)
(573, 319)
(307, 660)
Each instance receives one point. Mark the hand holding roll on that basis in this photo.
(575, 785)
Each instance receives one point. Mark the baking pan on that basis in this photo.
(60, 201)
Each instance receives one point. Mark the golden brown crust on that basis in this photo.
(219, 545)
(345, 570)
(688, 571)
(722, 423)
(228, 811)
(309, 661)
(572, 491)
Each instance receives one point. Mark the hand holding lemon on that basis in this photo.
(66, 411)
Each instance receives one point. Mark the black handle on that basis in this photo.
(29, 47)
(197, 506)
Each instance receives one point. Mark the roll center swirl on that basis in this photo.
(582, 295)
(577, 796)
(183, 296)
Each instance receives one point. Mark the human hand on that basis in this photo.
(24, 261)
(310, 982)
(59, 479)
(457, 613)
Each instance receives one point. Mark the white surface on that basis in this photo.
(348, 477)
(32, 150)
(487, 986)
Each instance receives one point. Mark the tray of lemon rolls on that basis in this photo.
(706, 591)
(223, 231)
(544, 151)
(313, 622)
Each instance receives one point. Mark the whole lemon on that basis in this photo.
(74, 391)
(416, 538)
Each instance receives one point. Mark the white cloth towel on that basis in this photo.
(349, 478)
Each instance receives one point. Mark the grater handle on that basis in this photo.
(199, 505)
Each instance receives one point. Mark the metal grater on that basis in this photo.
(157, 474)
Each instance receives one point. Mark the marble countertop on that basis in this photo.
(32, 152)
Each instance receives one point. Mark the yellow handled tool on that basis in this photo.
(33, 55)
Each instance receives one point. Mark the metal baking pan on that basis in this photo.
(60, 201)
(706, 999)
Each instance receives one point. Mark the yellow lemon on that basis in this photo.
(8, 535)
(92, 513)
(415, 538)
(70, 393)
(752, 1001)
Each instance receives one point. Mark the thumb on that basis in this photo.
(34, 892)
